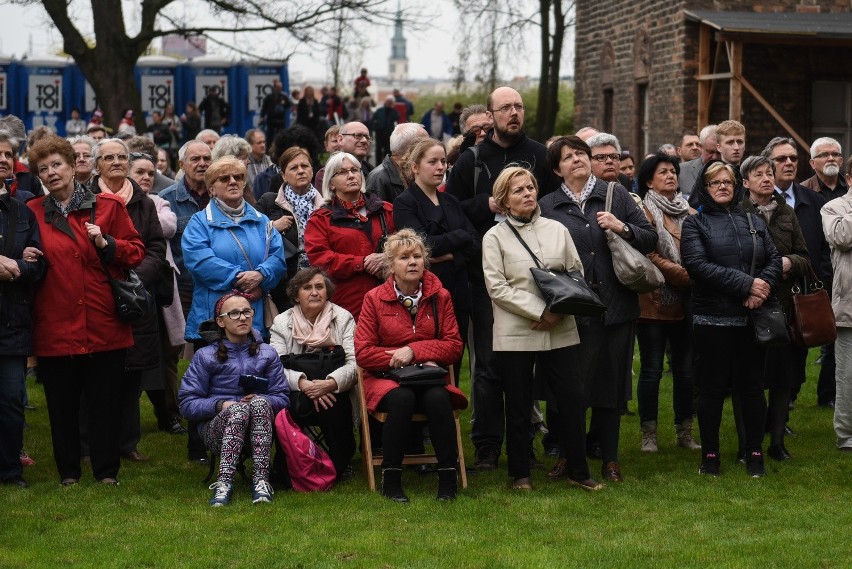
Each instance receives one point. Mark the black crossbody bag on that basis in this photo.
(770, 325)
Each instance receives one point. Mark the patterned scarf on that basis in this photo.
(676, 209)
(584, 195)
(303, 206)
(352, 208)
(73, 203)
(409, 301)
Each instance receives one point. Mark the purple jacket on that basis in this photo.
(208, 381)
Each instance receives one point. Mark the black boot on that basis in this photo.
(392, 485)
(447, 485)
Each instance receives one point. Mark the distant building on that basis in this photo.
(176, 45)
(664, 66)
(398, 61)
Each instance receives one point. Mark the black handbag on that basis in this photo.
(316, 365)
(564, 292)
(419, 374)
(132, 300)
(770, 325)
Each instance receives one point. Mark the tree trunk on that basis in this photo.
(551, 60)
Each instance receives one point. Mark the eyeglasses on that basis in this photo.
(347, 172)
(237, 314)
(225, 178)
(835, 155)
(517, 107)
(42, 170)
(110, 158)
(781, 159)
(720, 184)
(357, 135)
(615, 157)
(479, 128)
(142, 156)
(83, 155)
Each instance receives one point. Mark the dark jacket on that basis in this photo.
(808, 205)
(716, 248)
(788, 239)
(494, 158)
(308, 117)
(447, 230)
(338, 243)
(621, 302)
(385, 181)
(145, 353)
(16, 297)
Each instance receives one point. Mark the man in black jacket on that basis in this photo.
(806, 203)
(471, 181)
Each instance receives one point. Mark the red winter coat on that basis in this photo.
(74, 310)
(386, 325)
(338, 243)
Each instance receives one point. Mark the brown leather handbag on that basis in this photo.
(811, 321)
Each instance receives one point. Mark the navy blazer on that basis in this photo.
(807, 208)
(447, 230)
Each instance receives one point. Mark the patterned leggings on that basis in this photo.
(227, 432)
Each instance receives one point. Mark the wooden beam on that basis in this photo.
(750, 88)
(704, 93)
(717, 58)
(735, 58)
(714, 76)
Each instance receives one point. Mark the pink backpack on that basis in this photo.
(310, 468)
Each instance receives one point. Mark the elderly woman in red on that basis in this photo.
(80, 342)
(410, 320)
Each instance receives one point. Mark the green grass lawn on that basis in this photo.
(663, 515)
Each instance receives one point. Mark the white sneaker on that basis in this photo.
(262, 492)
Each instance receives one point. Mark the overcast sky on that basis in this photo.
(430, 52)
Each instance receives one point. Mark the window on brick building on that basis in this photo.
(831, 111)
(641, 120)
(608, 96)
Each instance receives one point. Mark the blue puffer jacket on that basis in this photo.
(716, 247)
(208, 381)
(213, 258)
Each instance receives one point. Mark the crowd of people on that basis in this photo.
(286, 268)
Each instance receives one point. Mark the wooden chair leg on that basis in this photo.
(462, 469)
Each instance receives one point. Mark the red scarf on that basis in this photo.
(353, 207)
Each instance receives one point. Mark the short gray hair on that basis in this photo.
(205, 132)
(332, 167)
(604, 139)
(404, 135)
(778, 141)
(468, 112)
(185, 148)
(8, 138)
(83, 139)
(250, 134)
(96, 150)
(14, 126)
(667, 147)
(822, 141)
(707, 132)
(752, 163)
(231, 145)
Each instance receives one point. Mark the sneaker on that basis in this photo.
(221, 494)
(754, 464)
(262, 492)
(710, 465)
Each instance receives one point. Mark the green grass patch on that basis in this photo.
(663, 515)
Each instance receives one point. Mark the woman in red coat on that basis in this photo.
(345, 236)
(410, 320)
(80, 342)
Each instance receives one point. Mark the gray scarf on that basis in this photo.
(235, 213)
(676, 209)
(765, 211)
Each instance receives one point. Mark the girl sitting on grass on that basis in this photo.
(234, 388)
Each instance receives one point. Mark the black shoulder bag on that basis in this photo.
(420, 375)
(564, 292)
(132, 301)
(770, 326)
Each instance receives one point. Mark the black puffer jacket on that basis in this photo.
(716, 246)
(622, 304)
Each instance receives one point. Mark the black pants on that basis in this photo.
(12, 390)
(95, 377)
(727, 357)
(653, 336)
(130, 432)
(400, 404)
(561, 371)
(335, 423)
(826, 386)
(490, 420)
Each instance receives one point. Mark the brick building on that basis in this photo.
(646, 71)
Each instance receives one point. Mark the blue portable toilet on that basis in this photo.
(44, 93)
(255, 82)
(160, 83)
(203, 73)
(7, 74)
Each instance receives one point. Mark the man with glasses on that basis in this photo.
(827, 162)
(386, 179)
(354, 138)
(475, 122)
(471, 181)
(785, 159)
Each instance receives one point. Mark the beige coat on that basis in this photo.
(837, 226)
(514, 295)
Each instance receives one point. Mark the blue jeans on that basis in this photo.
(12, 389)
(652, 338)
